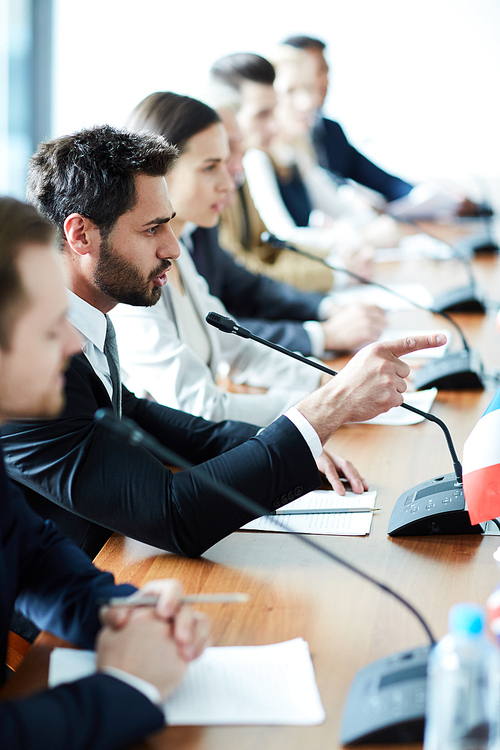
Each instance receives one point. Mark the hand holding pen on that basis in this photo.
(187, 627)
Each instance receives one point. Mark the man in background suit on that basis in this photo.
(242, 92)
(105, 190)
(141, 656)
(338, 156)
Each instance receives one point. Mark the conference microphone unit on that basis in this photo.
(436, 506)
(486, 244)
(386, 701)
(468, 298)
(462, 370)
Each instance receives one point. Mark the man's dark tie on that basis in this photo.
(111, 352)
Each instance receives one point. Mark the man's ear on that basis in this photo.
(81, 234)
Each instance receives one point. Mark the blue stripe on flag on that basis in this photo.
(494, 403)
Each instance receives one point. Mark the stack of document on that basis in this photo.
(272, 684)
(320, 519)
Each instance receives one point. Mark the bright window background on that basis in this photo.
(414, 84)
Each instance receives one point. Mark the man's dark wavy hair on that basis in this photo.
(233, 70)
(93, 172)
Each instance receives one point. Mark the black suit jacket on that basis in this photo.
(92, 483)
(54, 583)
(336, 154)
(268, 308)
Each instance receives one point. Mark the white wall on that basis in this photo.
(414, 85)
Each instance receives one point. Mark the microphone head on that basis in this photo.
(221, 322)
(271, 239)
(227, 325)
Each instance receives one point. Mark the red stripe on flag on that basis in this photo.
(482, 493)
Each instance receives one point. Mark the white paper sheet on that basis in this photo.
(397, 416)
(341, 524)
(424, 201)
(374, 296)
(272, 684)
(389, 334)
(415, 246)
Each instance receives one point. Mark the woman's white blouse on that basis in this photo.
(164, 356)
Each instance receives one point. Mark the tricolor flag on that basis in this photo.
(481, 465)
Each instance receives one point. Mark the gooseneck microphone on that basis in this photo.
(458, 370)
(270, 239)
(464, 298)
(433, 507)
(227, 325)
(397, 664)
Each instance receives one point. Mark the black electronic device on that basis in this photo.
(468, 298)
(433, 507)
(464, 299)
(386, 701)
(482, 244)
(461, 370)
(399, 674)
(461, 299)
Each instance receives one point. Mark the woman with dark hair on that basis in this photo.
(168, 351)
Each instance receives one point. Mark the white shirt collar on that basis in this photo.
(88, 320)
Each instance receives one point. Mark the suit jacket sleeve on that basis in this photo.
(96, 713)
(336, 154)
(78, 464)
(54, 583)
(269, 308)
(47, 577)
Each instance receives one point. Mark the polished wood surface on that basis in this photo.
(295, 592)
(17, 648)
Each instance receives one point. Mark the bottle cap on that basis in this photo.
(468, 619)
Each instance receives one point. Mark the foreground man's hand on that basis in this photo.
(371, 383)
(189, 629)
(334, 466)
(147, 647)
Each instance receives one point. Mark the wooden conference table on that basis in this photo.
(295, 592)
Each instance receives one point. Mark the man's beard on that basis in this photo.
(119, 279)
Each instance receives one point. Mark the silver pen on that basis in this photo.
(152, 600)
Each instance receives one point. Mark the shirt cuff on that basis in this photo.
(314, 330)
(326, 307)
(144, 687)
(306, 430)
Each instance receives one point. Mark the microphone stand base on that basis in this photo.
(478, 245)
(462, 370)
(386, 701)
(461, 299)
(488, 247)
(436, 506)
